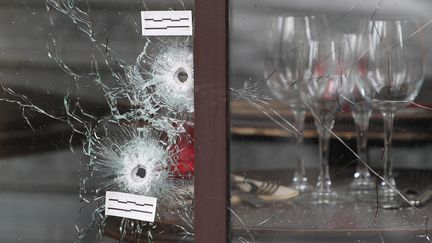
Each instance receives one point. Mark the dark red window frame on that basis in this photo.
(211, 121)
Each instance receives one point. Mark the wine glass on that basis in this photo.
(391, 73)
(361, 110)
(323, 91)
(282, 71)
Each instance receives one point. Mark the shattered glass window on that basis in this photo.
(330, 121)
(90, 105)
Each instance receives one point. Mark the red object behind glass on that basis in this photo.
(184, 157)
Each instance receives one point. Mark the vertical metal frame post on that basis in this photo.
(211, 121)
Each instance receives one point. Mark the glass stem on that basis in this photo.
(300, 173)
(324, 182)
(362, 138)
(388, 118)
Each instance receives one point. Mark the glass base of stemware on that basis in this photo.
(325, 197)
(362, 186)
(382, 193)
(328, 197)
(385, 190)
(301, 184)
(363, 189)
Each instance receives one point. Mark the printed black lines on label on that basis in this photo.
(166, 19)
(166, 23)
(129, 210)
(132, 202)
(132, 206)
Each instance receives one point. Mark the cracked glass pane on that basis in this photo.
(330, 121)
(90, 105)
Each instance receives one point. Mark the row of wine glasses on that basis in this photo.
(309, 68)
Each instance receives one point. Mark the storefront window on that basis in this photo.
(309, 121)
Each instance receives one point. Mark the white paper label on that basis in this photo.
(130, 206)
(166, 23)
